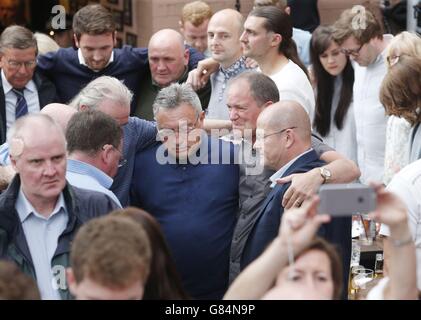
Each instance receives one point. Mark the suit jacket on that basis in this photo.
(46, 95)
(266, 225)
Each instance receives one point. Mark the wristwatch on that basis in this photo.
(326, 174)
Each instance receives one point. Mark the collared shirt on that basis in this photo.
(31, 96)
(278, 174)
(217, 108)
(370, 118)
(83, 62)
(86, 176)
(42, 235)
(253, 189)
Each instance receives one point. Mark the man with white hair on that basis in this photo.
(111, 96)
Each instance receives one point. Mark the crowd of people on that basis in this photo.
(189, 169)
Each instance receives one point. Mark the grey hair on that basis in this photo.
(100, 89)
(175, 94)
(17, 37)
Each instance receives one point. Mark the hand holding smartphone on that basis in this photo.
(341, 200)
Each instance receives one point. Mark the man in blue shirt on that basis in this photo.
(94, 144)
(190, 185)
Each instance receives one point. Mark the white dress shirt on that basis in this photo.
(370, 118)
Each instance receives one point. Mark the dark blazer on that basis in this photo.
(266, 225)
(46, 94)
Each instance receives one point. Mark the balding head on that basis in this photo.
(284, 132)
(38, 155)
(224, 31)
(286, 114)
(168, 57)
(60, 113)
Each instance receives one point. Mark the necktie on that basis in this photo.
(21, 106)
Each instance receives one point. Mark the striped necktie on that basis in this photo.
(21, 106)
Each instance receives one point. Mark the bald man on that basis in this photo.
(224, 31)
(38, 212)
(284, 144)
(168, 63)
(60, 113)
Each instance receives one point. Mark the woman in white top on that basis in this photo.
(333, 78)
(397, 95)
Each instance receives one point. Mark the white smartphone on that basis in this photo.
(346, 199)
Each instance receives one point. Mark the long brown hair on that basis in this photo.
(164, 281)
(400, 92)
(320, 41)
(279, 22)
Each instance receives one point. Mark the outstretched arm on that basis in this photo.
(299, 226)
(400, 246)
(304, 185)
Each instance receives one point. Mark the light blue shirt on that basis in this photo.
(302, 39)
(4, 154)
(85, 176)
(42, 235)
(31, 96)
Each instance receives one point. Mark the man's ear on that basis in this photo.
(71, 281)
(115, 39)
(76, 40)
(186, 56)
(276, 39)
(288, 10)
(267, 104)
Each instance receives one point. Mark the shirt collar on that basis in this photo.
(25, 208)
(83, 62)
(278, 174)
(234, 69)
(84, 168)
(7, 87)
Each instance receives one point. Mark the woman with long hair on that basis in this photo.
(164, 281)
(400, 101)
(333, 78)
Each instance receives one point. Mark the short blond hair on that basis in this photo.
(196, 13)
(404, 43)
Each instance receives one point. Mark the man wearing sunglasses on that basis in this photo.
(361, 38)
(22, 89)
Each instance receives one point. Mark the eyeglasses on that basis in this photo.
(166, 133)
(352, 52)
(15, 65)
(277, 132)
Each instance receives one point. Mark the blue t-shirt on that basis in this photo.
(195, 205)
